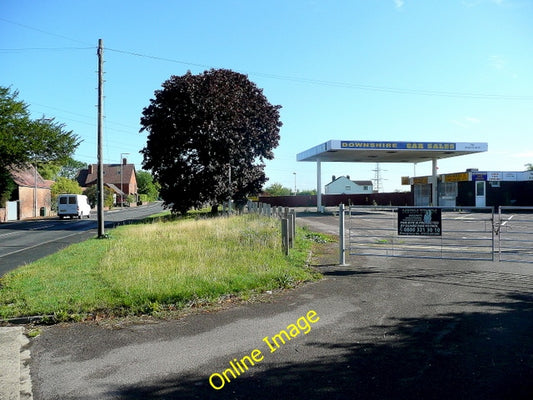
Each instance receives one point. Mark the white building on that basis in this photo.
(343, 185)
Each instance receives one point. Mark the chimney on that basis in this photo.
(91, 169)
(348, 176)
(332, 178)
(124, 161)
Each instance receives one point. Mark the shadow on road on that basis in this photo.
(483, 354)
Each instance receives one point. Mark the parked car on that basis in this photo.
(73, 205)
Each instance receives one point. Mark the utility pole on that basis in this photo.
(100, 179)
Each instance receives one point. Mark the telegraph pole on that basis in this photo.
(100, 180)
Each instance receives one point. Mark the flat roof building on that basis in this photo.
(386, 152)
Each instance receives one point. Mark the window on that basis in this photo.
(62, 200)
(71, 199)
(448, 189)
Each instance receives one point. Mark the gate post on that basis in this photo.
(285, 236)
(499, 235)
(342, 245)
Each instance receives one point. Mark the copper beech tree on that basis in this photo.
(208, 137)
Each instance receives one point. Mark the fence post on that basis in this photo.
(292, 215)
(285, 235)
(342, 245)
(290, 228)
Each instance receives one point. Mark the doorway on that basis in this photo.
(480, 194)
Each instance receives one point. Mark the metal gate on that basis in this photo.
(515, 234)
(465, 234)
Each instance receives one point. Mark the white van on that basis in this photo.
(73, 205)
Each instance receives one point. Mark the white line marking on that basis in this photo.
(40, 244)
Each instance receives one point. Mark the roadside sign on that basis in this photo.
(422, 221)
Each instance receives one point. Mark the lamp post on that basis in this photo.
(294, 173)
(35, 189)
(121, 179)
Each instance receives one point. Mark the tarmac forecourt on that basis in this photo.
(303, 324)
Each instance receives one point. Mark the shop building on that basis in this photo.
(474, 188)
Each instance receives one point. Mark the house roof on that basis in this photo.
(115, 189)
(88, 177)
(360, 183)
(29, 177)
(363, 183)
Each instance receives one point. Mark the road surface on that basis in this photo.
(22, 242)
(384, 328)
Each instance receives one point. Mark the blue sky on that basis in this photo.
(411, 70)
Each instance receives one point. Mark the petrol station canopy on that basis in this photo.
(394, 152)
(386, 152)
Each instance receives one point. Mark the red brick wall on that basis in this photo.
(329, 200)
(26, 197)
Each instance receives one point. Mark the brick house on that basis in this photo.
(123, 187)
(31, 198)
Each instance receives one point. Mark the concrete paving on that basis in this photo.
(388, 328)
(15, 381)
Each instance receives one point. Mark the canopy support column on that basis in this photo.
(318, 186)
(434, 184)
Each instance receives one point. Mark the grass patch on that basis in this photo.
(147, 268)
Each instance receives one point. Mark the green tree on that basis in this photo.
(71, 168)
(277, 189)
(68, 168)
(529, 167)
(92, 196)
(208, 136)
(7, 186)
(49, 171)
(62, 186)
(23, 140)
(147, 186)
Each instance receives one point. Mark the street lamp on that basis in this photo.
(35, 189)
(121, 180)
(294, 173)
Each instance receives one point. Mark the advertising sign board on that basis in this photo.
(422, 221)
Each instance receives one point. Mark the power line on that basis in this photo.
(131, 53)
(43, 31)
(25, 49)
(347, 85)
(136, 128)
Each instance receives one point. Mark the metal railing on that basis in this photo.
(467, 233)
(515, 234)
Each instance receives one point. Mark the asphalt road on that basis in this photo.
(23, 242)
(385, 328)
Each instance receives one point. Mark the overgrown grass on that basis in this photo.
(145, 268)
